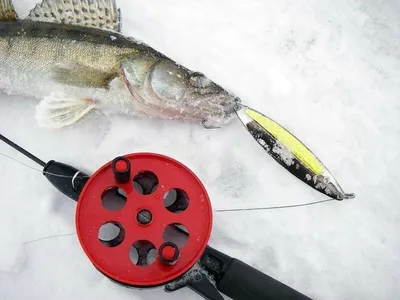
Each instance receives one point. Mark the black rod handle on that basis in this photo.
(241, 281)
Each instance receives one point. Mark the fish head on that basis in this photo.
(160, 86)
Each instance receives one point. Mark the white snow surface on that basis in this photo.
(329, 71)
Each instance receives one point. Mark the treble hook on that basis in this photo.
(208, 126)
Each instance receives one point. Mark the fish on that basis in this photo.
(72, 56)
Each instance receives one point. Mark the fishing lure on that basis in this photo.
(290, 152)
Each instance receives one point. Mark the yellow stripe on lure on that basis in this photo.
(289, 140)
(290, 152)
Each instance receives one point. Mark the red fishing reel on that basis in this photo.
(144, 219)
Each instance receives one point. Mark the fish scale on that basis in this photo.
(42, 53)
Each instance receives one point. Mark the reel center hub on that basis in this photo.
(144, 219)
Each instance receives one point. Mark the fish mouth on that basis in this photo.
(216, 109)
(214, 102)
(221, 104)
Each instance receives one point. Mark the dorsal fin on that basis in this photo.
(91, 13)
(7, 11)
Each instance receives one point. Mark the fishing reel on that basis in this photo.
(144, 220)
(160, 215)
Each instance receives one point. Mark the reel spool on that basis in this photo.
(161, 215)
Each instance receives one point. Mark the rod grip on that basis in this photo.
(243, 282)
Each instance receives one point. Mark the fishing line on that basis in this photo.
(35, 169)
(49, 237)
(43, 164)
(216, 210)
(274, 207)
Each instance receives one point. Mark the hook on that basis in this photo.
(208, 126)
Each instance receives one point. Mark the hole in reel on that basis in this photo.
(143, 253)
(145, 182)
(176, 200)
(111, 234)
(176, 233)
(113, 199)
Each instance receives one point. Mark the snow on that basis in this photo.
(12, 257)
(329, 71)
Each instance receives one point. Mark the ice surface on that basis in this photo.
(329, 71)
(12, 256)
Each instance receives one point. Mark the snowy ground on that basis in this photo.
(327, 70)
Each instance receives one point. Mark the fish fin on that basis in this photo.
(58, 111)
(90, 13)
(7, 11)
(79, 75)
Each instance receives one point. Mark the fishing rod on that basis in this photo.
(65, 178)
(158, 260)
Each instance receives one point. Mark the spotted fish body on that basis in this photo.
(30, 53)
(74, 68)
